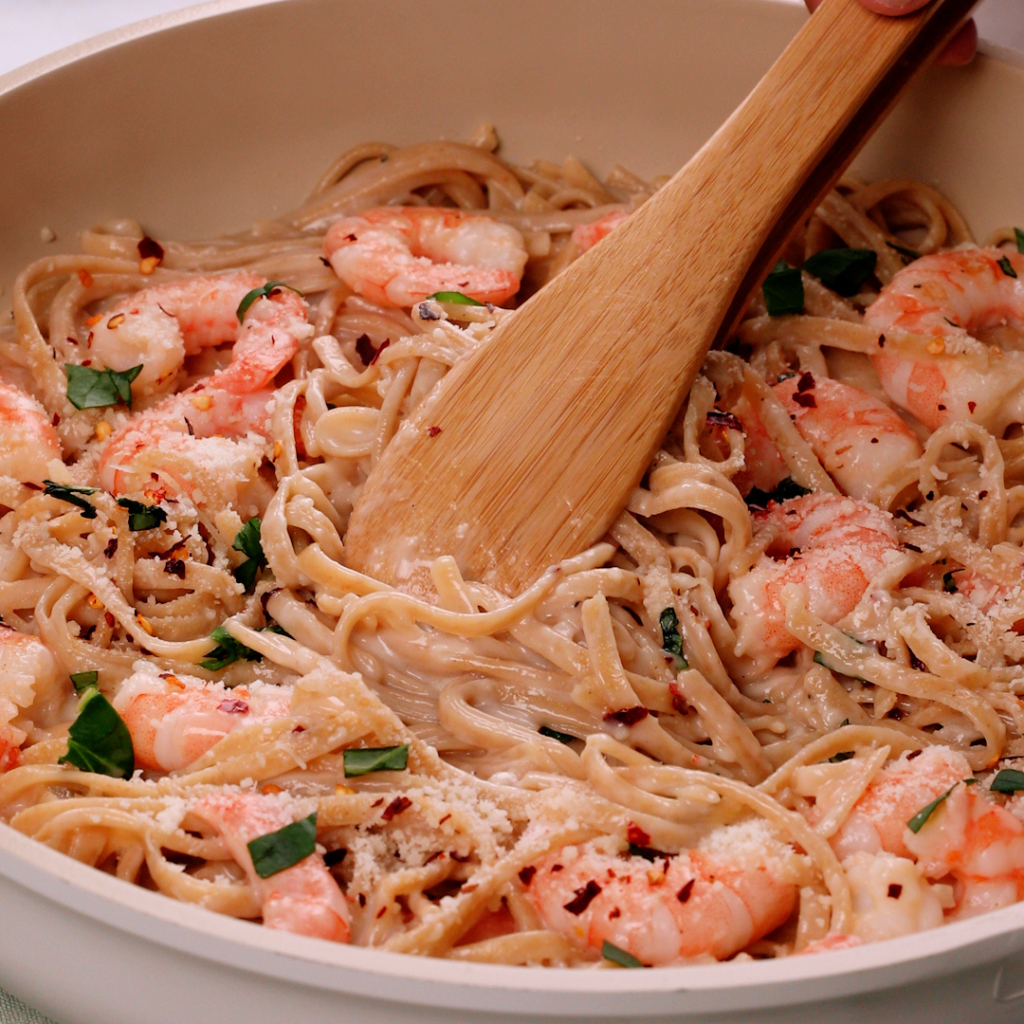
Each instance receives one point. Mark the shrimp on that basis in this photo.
(586, 236)
(947, 298)
(712, 901)
(28, 442)
(174, 720)
(159, 326)
(840, 545)
(860, 442)
(968, 836)
(208, 442)
(32, 691)
(400, 255)
(303, 898)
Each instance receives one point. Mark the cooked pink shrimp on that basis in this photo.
(707, 902)
(859, 441)
(586, 236)
(208, 442)
(400, 255)
(304, 898)
(159, 326)
(946, 298)
(28, 442)
(32, 689)
(968, 836)
(174, 720)
(840, 545)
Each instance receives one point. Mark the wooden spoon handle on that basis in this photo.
(529, 449)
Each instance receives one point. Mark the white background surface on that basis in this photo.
(34, 28)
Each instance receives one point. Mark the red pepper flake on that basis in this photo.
(381, 912)
(377, 803)
(805, 401)
(399, 804)
(92, 321)
(881, 341)
(115, 321)
(526, 875)
(636, 835)
(556, 868)
(151, 254)
(376, 355)
(917, 663)
(56, 419)
(365, 349)
(434, 431)
(684, 894)
(109, 619)
(444, 819)
(679, 703)
(111, 549)
(85, 277)
(806, 383)
(717, 418)
(913, 754)
(614, 913)
(971, 406)
(72, 341)
(583, 898)
(895, 891)
(627, 716)
(233, 706)
(361, 898)
(175, 567)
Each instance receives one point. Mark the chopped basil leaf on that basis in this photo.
(909, 255)
(72, 495)
(284, 848)
(554, 734)
(1007, 267)
(619, 956)
(261, 293)
(227, 651)
(783, 290)
(365, 760)
(787, 489)
(671, 641)
(948, 583)
(917, 822)
(81, 681)
(1009, 780)
(248, 541)
(843, 270)
(98, 740)
(94, 389)
(142, 517)
(843, 755)
(1019, 235)
(456, 298)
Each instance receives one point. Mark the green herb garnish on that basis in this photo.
(142, 517)
(1007, 267)
(94, 389)
(98, 740)
(554, 734)
(917, 822)
(843, 755)
(261, 293)
(456, 298)
(909, 255)
(783, 290)
(948, 583)
(284, 848)
(619, 956)
(81, 681)
(843, 270)
(787, 489)
(1009, 780)
(671, 641)
(248, 541)
(227, 652)
(365, 760)
(73, 496)
(1019, 235)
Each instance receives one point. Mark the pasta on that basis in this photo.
(775, 710)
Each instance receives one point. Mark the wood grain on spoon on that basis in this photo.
(546, 430)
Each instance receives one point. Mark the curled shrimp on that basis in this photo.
(32, 690)
(709, 902)
(28, 442)
(159, 326)
(586, 236)
(861, 443)
(831, 545)
(174, 720)
(400, 255)
(967, 836)
(303, 898)
(949, 299)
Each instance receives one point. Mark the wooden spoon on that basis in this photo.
(531, 447)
